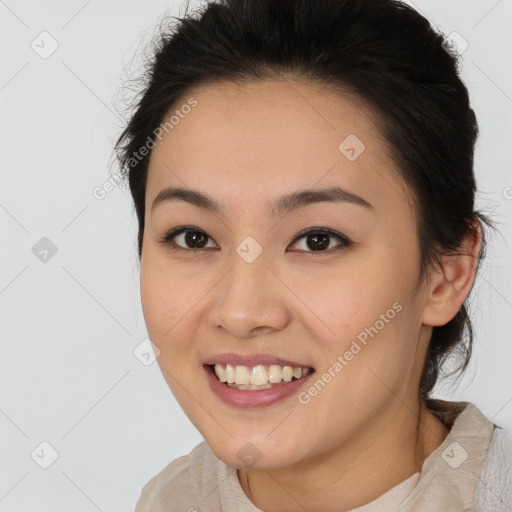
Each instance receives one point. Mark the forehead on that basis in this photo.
(267, 138)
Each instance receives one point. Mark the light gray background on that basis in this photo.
(69, 326)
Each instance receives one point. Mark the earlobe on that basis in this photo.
(452, 281)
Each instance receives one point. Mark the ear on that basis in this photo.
(451, 282)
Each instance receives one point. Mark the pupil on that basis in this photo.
(320, 241)
(196, 239)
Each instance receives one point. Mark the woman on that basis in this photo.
(302, 172)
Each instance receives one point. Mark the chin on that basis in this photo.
(249, 454)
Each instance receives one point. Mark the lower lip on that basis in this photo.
(253, 398)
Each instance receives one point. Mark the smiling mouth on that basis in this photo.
(258, 377)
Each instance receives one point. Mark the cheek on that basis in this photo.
(362, 309)
(172, 296)
(156, 303)
(166, 305)
(347, 299)
(166, 295)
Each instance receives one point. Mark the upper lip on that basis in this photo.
(251, 360)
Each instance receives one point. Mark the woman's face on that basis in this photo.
(349, 311)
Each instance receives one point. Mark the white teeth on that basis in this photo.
(258, 377)
(287, 373)
(275, 373)
(242, 375)
(220, 372)
(230, 374)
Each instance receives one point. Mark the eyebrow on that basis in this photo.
(282, 206)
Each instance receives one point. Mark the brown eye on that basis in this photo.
(187, 238)
(195, 239)
(319, 240)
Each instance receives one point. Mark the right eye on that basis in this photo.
(190, 238)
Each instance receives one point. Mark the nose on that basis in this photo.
(250, 300)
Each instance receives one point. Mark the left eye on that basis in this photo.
(319, 239)
(315, 239)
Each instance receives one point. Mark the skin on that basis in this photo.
(246, 145)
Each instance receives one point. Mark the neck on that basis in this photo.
(354, 473)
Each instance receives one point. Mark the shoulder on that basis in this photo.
(493, 491)
(182, 483)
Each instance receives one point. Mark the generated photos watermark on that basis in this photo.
(343, 360)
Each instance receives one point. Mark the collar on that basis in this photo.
(450, 473)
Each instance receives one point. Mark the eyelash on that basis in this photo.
(345, 242)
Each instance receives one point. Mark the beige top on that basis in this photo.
(200, 482)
